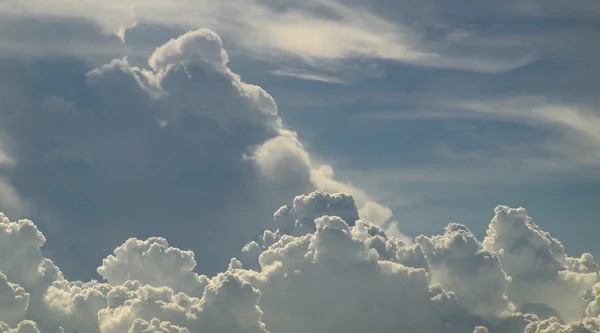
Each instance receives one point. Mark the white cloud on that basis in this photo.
(199, 46)
(588, 325)
(334, 277)
(540, 269)
(154, 263)
(355, 290)
(310, 76)
(458, 262)
(370, 210)
(26, 326)
(284, 157)
(155, 325)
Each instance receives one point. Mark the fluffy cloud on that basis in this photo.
(589, 325)
(154, 263)
(26, 326)
(13, 301)
(155, 325)
(540, 269)
(459, 262)
(163, 149)
(315, 273)
(355, 291)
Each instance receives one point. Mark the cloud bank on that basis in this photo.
(318, 273)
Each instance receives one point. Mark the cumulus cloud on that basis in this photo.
(459, 262)
(119, 151)
(13, 301)
(154, 263)
(26, 326)
(193, 47)
(356, 291)
(588, 325)
(540, 269)
(316, 273)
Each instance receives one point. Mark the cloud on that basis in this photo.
(155, 325)
(199, 46)
(124, 156)
(458, 262)
(23, 327)
(315, 31)
(154, 263)
(323, 177)
(355, 290)
(590, 325)
(538, 110)
(120, 151)
(324, 275)
(540, 269)
(310, 76)
(13, 301)
(284, 157)
(540, 139)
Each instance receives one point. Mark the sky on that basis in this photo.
(282, 166)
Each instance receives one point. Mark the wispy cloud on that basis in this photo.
(310, 76)
(541, 111)
(311, 31)
(536, 139)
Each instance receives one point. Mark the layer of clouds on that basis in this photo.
(315, 273)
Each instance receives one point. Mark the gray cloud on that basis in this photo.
(119, 151)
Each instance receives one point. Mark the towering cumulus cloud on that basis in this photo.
(179, 148)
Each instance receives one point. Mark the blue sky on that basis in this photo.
(403, 136)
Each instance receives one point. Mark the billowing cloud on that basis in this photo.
(13, 301)
(540, 269)
(140, 260)
(162, 149)
(459, 262)
(317, 273)
(26, 326)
